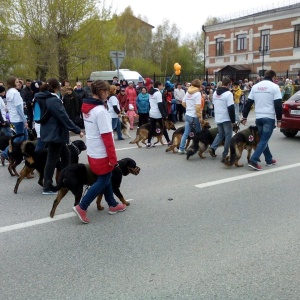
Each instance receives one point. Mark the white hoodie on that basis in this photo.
(14, 99)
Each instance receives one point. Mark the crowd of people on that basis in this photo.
(54, 109)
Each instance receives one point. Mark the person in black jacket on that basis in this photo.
(27, 96)
(71, 104)
(55, 132)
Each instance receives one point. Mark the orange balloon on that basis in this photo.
(179, 67)
(177, 72)
(175, 65)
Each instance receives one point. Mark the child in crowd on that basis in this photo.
(131, 114)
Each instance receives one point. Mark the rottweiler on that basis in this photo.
(36, 160)
(246, 139)
(177, 135)
(143, 131)
(76, 176)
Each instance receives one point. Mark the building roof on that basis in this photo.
(236, 67)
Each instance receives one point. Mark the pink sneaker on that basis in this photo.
(113, 210)
(81, 214)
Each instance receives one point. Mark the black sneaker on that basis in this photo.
(212, 152)
(254, 166)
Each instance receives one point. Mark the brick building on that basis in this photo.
(250, 45)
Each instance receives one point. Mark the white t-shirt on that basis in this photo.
(191, 100)
(264, 93)
(3, 109)
(13, 99)
(221, 104)
(113, 100)
(97, 121)
(154, 100)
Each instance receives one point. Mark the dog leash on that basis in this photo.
(76, 148)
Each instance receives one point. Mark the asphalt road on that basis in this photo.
(194, 230)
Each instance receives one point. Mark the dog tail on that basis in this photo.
(192, 149)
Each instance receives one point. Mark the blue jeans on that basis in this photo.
(19, 128)
(224, 132)
(237, 111)
(189, 122)
(265, 129)
(116, 125)
(101, 186)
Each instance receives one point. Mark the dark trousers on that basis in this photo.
(180, 111)
(143, 118)
(30, 116)
(56, 152)
(153, 128)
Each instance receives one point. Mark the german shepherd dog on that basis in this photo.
(203, 139)
(76, 176)
(177, 135)
(143, 131)
(245, 139)
(36, 160)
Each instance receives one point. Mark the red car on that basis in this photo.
(290, 123)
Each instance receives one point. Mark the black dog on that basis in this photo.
(76, 176)
(201, 141)
(36, 160)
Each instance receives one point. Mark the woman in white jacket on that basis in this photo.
(15, 109)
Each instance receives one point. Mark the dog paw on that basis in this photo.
(127, 203)
(100, 207)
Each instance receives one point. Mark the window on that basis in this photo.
(297, 36)
(219, 46)
(264, 41)
(241, 42)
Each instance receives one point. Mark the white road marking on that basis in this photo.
(39, 221)
(252, 174)
(120, 149)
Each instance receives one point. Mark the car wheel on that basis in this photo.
(289, 133)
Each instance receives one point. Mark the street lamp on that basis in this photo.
(262, 50)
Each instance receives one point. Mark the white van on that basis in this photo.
(123, 74)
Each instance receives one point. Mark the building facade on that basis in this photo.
(250, 45)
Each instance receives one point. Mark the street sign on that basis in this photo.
(117, 57)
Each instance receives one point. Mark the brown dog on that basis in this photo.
(177, 135)
(246, 139)
(143, 131)
(125, 125)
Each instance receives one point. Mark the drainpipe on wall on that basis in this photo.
(204, 53)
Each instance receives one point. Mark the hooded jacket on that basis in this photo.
(223, 105)
(15, 106)
(192, 101)
(101, 151)
(56, 129)
(157, 109)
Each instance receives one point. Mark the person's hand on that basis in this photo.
(26, 125)
(81, 134)
(244, 121)
(278, 124)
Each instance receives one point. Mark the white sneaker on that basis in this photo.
(181, 151)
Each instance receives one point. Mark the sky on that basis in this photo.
(192, 14)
